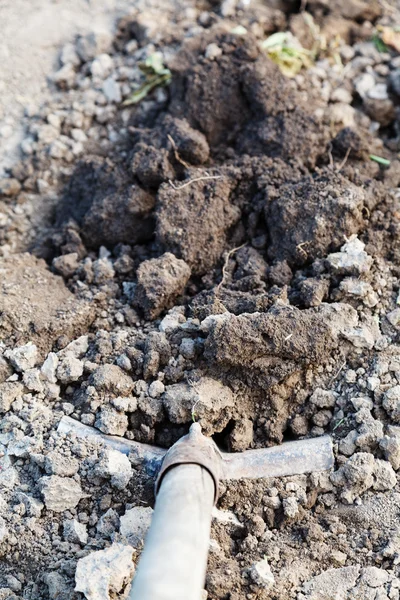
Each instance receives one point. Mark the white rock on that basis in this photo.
(225, 516)
(262, 575)
(290, 507)
(60, 493)
(394, 318)
(69, 55)
(378, 92)
(102, 66)
(156, 389)
(391, 450)
(32, 380)
(69, 369)
(49, 367)
(115, 466)
(135, 523)
(65, 76)
(212, 51)
(352, 258)
(391, 403)
(112, 90)
(106, 573)
(360, 337)
(75, 532)
(364, 84)
(359, 289)
(23, 357)
(76, 348)
(3, 530)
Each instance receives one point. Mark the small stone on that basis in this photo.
(108, 523)
(115, 466)
(111, 421)
(69, 56)
(102, 66)
(347, 445)
(69, 369)
(352, 258)
(188, 348)
(66, 264)
(106, 573)
(91, 45)
(213, 51)
(391, 450)
(391, 403)
(156, 389)
(394, 318)
(385, 477)
(60, 493)
(49, 367)
(261, 574)
(241, 437)
(65, 77)
(111, 379)
(9, 187)
(9, 391)
(135, 523)
(160, 281)
(338, 558)
(364, 84)
(290, 507)
(57, 463)
(323, 398)
(23, 357)
(32, 380)
(75, 532)
(112, 90)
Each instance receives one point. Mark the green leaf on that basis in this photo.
(379, 43)
(157, 75)
(380, 160)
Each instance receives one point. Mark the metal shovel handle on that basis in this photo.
(174, 560)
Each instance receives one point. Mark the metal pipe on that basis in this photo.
(174, 560)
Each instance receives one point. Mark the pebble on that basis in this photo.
(115, 466)
(112, 90)
(213, 51)
(60, 493)
(135, 523)
(261, 574)
(75, 532)
(23, 357)
(69, 369)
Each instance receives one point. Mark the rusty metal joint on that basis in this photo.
(196, 449)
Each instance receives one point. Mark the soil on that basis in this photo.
(225, 251)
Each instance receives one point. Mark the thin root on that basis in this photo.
(225, 266)
(176, 153)
(344, 161)
(180, 187)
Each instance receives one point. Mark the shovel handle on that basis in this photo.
(174, 560)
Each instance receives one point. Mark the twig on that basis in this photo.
(225, 266)
(331, 163)
(180, 187)
(339, 371)
(344, 161)
(176, 153)
(300, 247)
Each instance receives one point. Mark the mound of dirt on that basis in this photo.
(35, 304)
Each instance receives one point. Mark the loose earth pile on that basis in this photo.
(224, 251)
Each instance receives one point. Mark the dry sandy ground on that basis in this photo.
(32, 32)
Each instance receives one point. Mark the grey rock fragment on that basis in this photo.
(60, 493)
(105, 573)
(135, 523)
